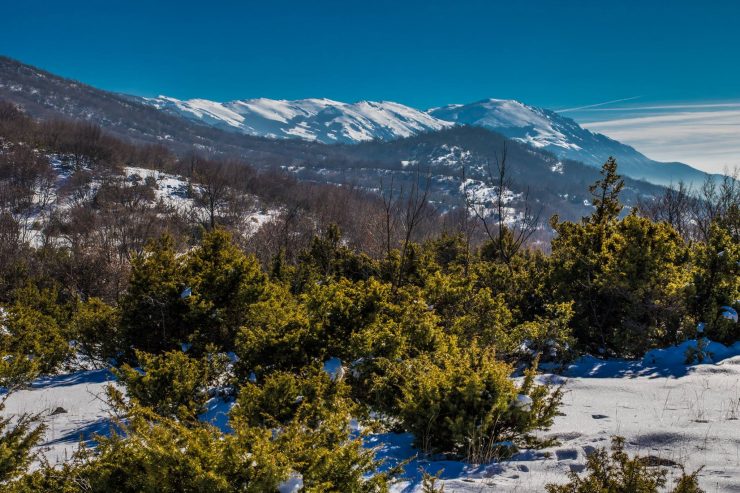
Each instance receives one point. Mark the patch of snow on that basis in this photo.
(81, 394)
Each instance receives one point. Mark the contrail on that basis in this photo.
(598, 104)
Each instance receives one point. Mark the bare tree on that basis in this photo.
(675, 206)
(390, 213)
(408, 208)
(214, 187)
(715, 199)
(468, 227)
(507, 233)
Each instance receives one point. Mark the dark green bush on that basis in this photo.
(172, 384)
(464, 402)
(94, 326)
(31, 335)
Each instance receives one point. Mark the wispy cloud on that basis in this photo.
(703, 135)
(660, 107)
(596, 105)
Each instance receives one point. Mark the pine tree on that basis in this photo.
(626, 277)
(605, 194)
(224, 283)
(152, 309)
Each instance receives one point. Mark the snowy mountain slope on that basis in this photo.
(533, 126)
(238, 128)
(331, 122)
(548, 130)
(321, 120)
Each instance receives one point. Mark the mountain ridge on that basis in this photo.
(447, 154)
(334, 122)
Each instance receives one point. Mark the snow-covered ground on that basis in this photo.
(664, 408)
(81, 395)
(170, 190)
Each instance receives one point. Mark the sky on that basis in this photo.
(572, 56)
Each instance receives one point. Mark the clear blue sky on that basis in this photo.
(422, 53)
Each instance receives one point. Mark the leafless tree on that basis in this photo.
(674, 206)
(715, 199)
(390, 213)
(507, 233)
(406, 209)
(214, 187)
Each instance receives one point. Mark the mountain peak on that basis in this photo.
(335, 122)
(318, 119)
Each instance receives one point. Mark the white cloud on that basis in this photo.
(708, 140)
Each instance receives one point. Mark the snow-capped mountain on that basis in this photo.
(551, 131)
(312, 122)
(321, 120)
(534, 126)
(331, 122)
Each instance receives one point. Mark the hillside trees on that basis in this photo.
(716, 284)
(626, 276)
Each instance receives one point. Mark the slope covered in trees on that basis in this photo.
(430, 316)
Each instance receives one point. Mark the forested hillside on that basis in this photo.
(320, 313)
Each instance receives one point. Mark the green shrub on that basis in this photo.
(224, 283)
(201, 297)
(550, 335)
(152, 454)
(309, 416)
(172, 384)
(627, 280)
(616, 472)
(31, 335)
(464, 402)
(283, 397)
(716, 283)
(18, 435)
(627, 277)
(153, 312)
(94, 326)
(276, 336)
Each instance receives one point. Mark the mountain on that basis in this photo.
(332, 122)
(548, 130)
(559, 185)
(321, 120)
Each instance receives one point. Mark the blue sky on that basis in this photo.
(561, 55)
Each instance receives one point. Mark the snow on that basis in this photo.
(663, 407)
(293, 484)
(217, 413)
(729, 313)
(523, 402)
(171, 189)
(322, 120)
(333, 367)
(81, 394)
(483, 198)
(537, 127)
(557, 168)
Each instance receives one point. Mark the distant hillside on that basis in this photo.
(545, 129)
(558, 185)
